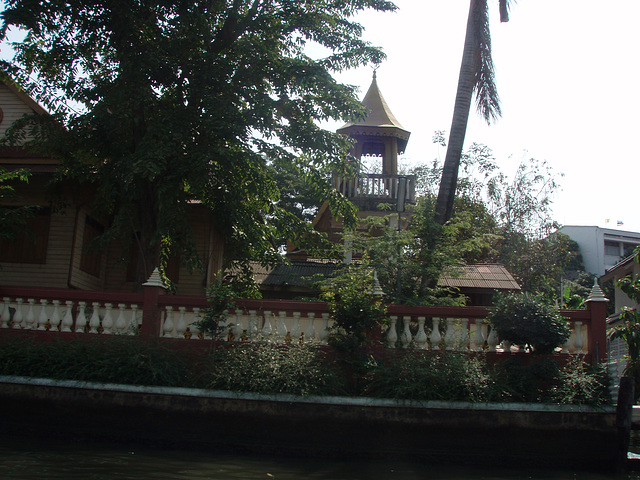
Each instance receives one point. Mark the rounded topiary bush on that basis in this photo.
(526, 320)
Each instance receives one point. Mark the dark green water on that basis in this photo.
(27, 460)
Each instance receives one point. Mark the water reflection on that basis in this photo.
(32, 460)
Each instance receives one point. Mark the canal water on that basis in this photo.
(27, 460)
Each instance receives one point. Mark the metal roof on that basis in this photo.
(488, 275)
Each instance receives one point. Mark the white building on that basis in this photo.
(601, 248)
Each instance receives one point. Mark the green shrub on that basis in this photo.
(516, 382)
(581, 384)
(128, 360)
(354, 308)
(526, 320)
(268, 368)
(416, 375)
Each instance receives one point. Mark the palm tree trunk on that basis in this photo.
(464, 96)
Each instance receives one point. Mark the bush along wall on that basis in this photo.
(309, 369)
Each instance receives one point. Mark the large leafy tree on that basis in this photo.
(476, 77)
(163, 103)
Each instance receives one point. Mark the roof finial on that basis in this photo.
(375, 70)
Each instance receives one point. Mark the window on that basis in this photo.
(30, 242)
(91, 257)
(612, 249)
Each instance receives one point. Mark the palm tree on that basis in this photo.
(476, 76)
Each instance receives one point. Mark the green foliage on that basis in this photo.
(220, 299)
(127, 360)
(417, 375)
(507, 220)
(581, 384)
(162, 106)
(523, 319)
(354, 307)
(544, 381)
(11, 219)
(629, 327)
(305, 369)
(417, 255)
(268, 368)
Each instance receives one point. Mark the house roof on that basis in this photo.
(487, 275)
(380, 121)
(621, 265)
(301, 273)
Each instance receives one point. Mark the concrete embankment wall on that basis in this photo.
(521, 434)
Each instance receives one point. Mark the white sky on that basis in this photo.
(567, 72)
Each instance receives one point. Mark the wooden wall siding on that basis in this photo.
(12, 108)
(79, 278)
(53, 273)
(208, 244)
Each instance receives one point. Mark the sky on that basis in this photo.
(567, 73)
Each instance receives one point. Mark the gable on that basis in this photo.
(13, 105)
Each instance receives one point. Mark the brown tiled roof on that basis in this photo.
(489, 275)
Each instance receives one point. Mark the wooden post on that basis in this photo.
(597, 307)
(151, 320)
(624, 409)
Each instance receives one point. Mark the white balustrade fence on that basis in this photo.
(249, 325)
(60, 315)
(80, 314)
(465, 334)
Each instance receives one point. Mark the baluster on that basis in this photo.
(107, 321)
(133, 321)
(449, 336)
(295, 329)
(30, 319)
(43, 318)
(310, 332)
(323, 335)
(492, 339)
(266, 329)
(253, 325)
(478, 339)
(18, 316)
(281, 330)
(237, 329)
(6, 313)
(54, 323)
(94, 321)
(435, 337)
(392, 335)
(195, 331)
(506, 346)
(81, 319)
(121, 323)
(464, 334)
(168, 326)
(181, 326)
(67, 319)
(578, 342)
(421, 336)
(406, 336)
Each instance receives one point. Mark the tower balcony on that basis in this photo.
(367, 191)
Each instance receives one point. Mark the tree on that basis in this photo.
(162, 104)
(476, 76)
(629, 327)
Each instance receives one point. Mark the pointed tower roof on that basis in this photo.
(380, 121)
